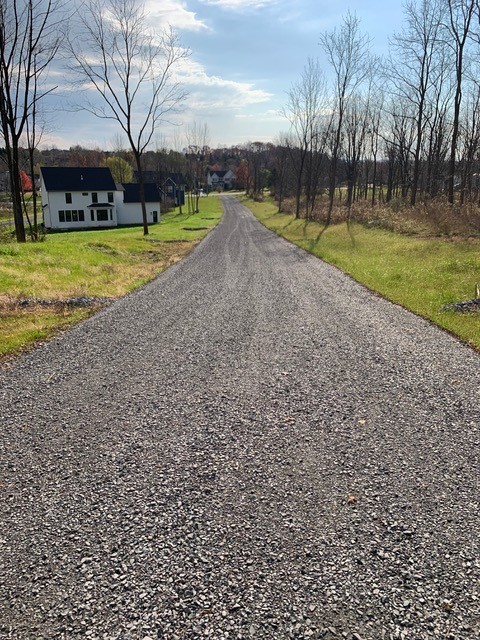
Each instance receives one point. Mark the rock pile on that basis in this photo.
(463, 307)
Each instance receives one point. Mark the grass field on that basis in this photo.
(103, 263)
(421, 274)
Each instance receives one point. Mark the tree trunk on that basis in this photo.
(14, 168)
(141, 183)
(374, 180)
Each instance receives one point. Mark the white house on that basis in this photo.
(220, 179)
(78, 197)
(129, 208)
(87, 197)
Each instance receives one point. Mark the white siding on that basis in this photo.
(57, 202)
(131, 212)
(229, 177)
(59, 214)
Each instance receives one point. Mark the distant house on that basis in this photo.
(220, 179)
(87, 197)
(174, 189)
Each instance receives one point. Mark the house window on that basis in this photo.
(94, 197)
(84, 193)
(68, 198)
(92, 215)
(110, 196)
(74, 215)
(81, 215)
(102, 215)
(61, 215)
(68, 216)
(111, 214)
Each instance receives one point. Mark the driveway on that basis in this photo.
(251, 446)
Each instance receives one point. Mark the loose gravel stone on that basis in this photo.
(252, 446)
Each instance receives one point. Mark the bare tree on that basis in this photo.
(460, 14)
(196, 153)
(356, 127)
(375, 118)
(347, 51)
(316, 161)
(280, 169)
(438, 128)
(399, 141)
(469, 143)
(256, 156)
(28, 44)
(131, 69)
(305, 109)
(33, 135)
(414, 69)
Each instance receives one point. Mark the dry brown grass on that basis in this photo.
(435, 218)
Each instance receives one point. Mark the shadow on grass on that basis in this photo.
(325, 227)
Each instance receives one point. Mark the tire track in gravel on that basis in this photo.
(252, 446)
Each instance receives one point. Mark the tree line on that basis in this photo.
(406, 125)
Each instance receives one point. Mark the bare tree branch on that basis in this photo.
(130, 68)
(29, 41)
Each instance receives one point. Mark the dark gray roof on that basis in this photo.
(220, 174)
(78, 179)
(132, 192)
(177, 178)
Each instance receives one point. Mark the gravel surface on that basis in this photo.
(252, 446)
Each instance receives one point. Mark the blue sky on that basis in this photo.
(245, 55)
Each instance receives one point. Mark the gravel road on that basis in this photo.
(252, 446)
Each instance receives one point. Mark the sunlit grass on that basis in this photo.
(21, 328)
(97, 263)
(421, 274)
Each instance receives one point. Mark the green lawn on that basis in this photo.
(421, 274)
(103, 263)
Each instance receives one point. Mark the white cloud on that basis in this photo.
(271, 115)
(215, 92)
(241, 4)
(174, 13)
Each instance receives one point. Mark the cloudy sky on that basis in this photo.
(245, 55)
